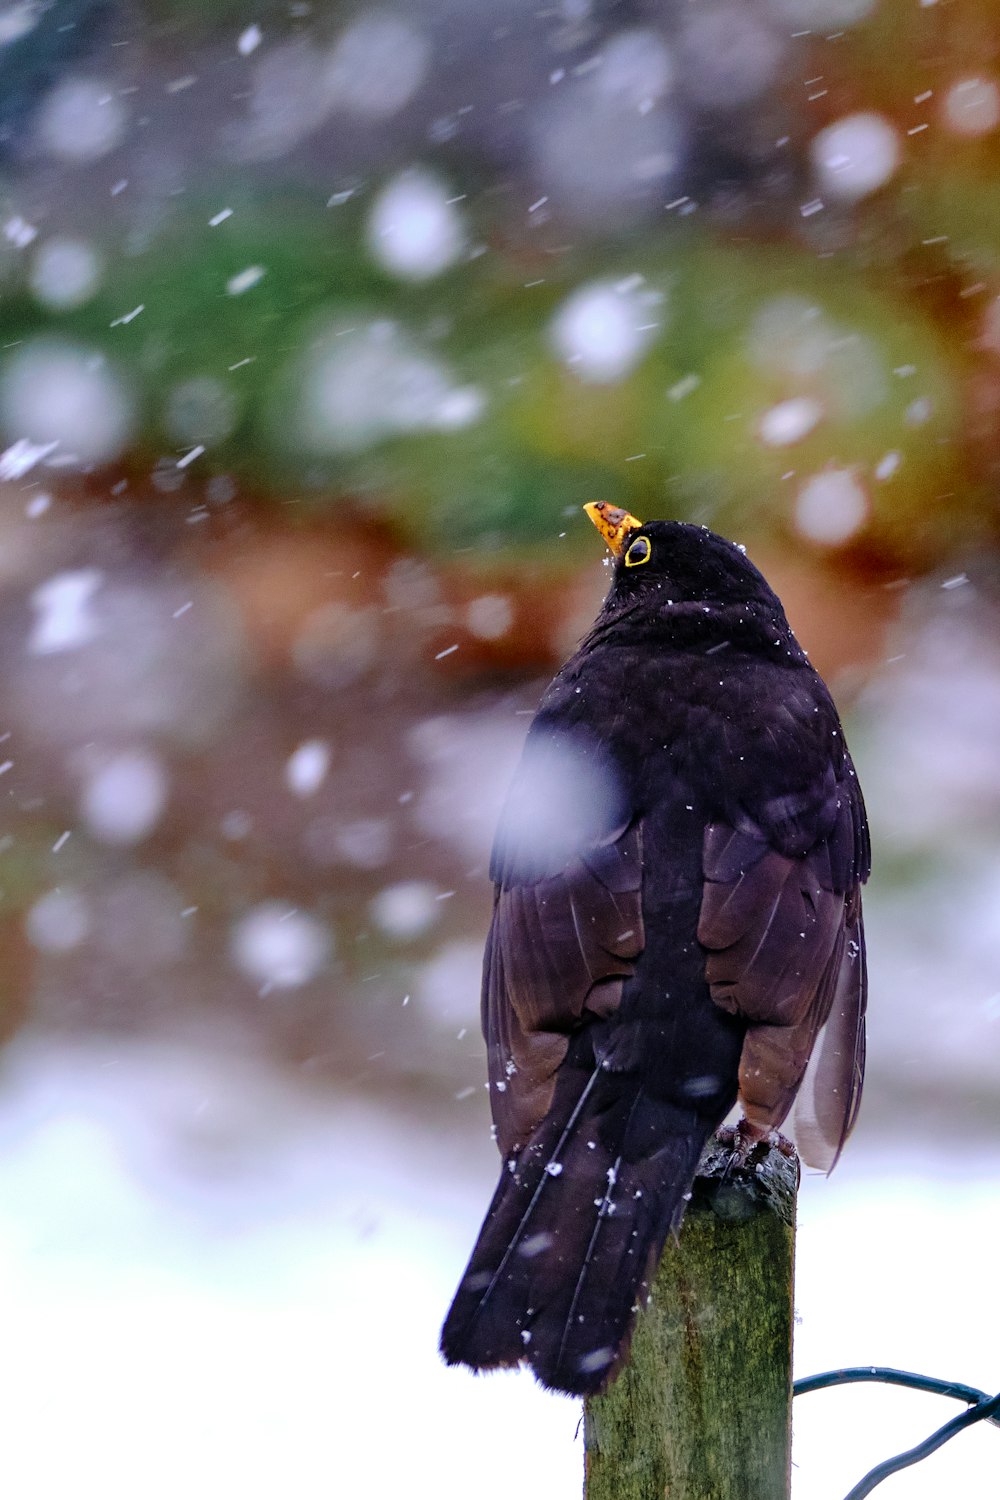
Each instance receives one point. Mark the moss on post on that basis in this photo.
(702, 1410)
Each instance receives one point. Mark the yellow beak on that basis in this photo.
(613, 523)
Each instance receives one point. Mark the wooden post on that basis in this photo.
(702, 1410)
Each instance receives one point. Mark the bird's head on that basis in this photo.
(672, 562)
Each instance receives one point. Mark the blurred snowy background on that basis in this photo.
(318, 324)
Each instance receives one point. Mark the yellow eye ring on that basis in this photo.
(640, 552)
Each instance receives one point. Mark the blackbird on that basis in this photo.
(676, 926)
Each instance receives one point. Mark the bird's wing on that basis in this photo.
(567, 922)
(785, 947)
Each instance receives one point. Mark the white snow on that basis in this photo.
(790, 335)
(365, 843)
(876, 1241)
(81, 120)
(249, 40)
(363, 382)
(142, 673)
(19, 233)
(933, 721)
(21, 457)
(888, 465)
(406, 909)
(448, 985)
(919, 411)
(58, 921)
(684, 387)
(124, 319)
(199, 1239)
(597, 1359)
(158, 1198)
(18, 19)
(793, 337)
(65, 272)
(490, 616)
(53, 391)
(831, 506)
(856, 155)
(276, 945)
(410, 585)
(971, 107)
(63, 617)
(371, 71)
(306, 767)
(236, 825)
(460, 407)
(534, 1244)
(201, 410)
(414, 231)
(599, 155)
(377, 64)
(789, 421)
(466, 762)
(637, 66)
(728, 52)
(569, 790)
(242, 282)
(123, 800)
(337, 645)
(603, 329)
(290, 96)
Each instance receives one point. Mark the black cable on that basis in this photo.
(982, 1408)
(983, 1411)
(856, 1373)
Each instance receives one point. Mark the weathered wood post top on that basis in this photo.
(702, 1410)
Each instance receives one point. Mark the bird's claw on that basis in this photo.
(748, 1145)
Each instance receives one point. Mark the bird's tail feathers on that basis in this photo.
(571, 1240)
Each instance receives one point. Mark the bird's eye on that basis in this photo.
(639, 552)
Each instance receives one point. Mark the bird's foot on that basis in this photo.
(748, 1144)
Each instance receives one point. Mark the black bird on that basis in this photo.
(676, 925)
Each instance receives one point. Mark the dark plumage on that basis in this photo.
(676, 924)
